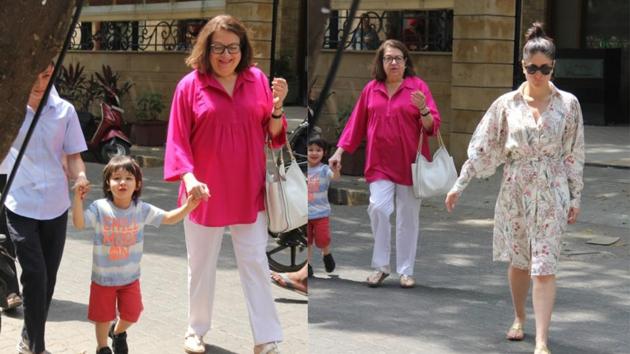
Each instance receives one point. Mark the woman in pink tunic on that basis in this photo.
(393, 110)
(537, 133)
(221, 116)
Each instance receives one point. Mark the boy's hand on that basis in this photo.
(81, 190)
(192, 202)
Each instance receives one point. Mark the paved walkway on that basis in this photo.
(163, 323)
(607, 146)
(461, 304)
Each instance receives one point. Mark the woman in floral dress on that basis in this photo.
(537, 133)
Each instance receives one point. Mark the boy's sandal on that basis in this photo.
(376, 279)
(282, 280)
(542, 350)
(518, 334)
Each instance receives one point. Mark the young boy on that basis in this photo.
(118, 221)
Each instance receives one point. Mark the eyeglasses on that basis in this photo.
(233, 48)
(389, 59)
(544, 69)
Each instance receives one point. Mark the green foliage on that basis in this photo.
(73, 86)
(343, 114)
(109, 84)
(149, 106)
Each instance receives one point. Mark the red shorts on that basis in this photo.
(318, 230)
(103, 299)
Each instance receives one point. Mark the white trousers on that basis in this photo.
(382, 193)
(250, 242)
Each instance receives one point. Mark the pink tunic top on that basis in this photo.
(221, 140)
(392, 127)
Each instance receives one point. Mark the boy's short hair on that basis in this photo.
(319, 142)
(122, 162)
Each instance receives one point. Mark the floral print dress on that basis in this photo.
(542, 176)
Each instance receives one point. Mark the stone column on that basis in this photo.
(257, 16)
(483, 59)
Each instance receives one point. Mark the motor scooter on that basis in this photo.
(104, 136)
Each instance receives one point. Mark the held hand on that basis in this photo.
(573, 215)
(335, 160)
(418, 99)
(451, 200)
(192, 202)
(81, 186)
(279, 88)
(197, 189)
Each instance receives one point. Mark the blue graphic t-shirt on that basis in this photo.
(119, 239)
(318, 183)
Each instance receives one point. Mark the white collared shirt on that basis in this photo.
(40, 188)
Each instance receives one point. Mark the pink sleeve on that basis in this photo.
(356, 127)
(437, 120)
(178, 158)
(281, 138)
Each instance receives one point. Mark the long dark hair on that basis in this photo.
(378, 71)
(538, 42)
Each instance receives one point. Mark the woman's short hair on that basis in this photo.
(378, 70)
(536, 41)
(126, 163)
(199, 58)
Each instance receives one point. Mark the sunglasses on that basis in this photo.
(544, 69)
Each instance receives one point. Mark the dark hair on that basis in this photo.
(322, 144)
(122, 162)
(378, 71)
(199, 58)
(538, 42)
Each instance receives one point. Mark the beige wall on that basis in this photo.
(482, 69)
(148, 71)
(257, 16)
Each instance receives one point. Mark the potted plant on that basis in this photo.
(148, 129)
(73, 86)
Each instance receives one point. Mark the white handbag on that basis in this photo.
(436, 177)
(286, 198)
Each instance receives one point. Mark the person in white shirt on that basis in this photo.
(38, 201)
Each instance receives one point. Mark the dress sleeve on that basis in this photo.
(74, 141)
(432, 106)
(486, 148)
(573, 152)
(356, 127)
(280, 139)
(178, 157)
(90, 215)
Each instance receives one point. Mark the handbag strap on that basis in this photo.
(439, 137)
(289, 149)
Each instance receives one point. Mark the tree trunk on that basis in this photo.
(33, 34)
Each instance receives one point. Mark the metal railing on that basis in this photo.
(430, 30)
(165, 35)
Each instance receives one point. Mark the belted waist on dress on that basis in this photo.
(534, 158)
